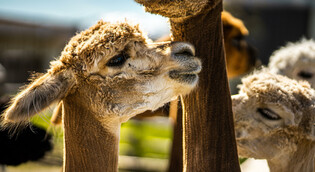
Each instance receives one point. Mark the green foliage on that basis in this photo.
(146, 139)
(242, 160)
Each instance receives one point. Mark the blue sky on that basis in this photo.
(82, 13)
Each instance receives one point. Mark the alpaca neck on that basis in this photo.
(301, 160)
(89, 145)
(203, 129)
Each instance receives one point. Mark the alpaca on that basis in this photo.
(104, 76)
(295, 60)
(240, 56)
(240, 59)
(208, 128)
(274, 120)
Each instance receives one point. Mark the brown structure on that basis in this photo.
(209, 141)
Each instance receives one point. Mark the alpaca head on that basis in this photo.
(296, 61)
(112, 69)
(273, 115)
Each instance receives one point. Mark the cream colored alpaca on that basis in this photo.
(295, 60)
(274, 120)
(104, 76)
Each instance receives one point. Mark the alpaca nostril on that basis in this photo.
(182, 49)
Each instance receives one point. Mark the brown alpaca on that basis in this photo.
(208, 130)
(106, 75)
(240, 56)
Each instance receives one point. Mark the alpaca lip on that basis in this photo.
(184, 76)
(191, 71)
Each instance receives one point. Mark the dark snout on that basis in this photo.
(182, 48)
(188, 65)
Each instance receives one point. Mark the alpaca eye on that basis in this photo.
(268, 114)
(305, 75)
(117, 60)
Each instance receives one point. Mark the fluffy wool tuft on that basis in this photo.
(295, 58)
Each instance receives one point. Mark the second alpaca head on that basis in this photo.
(274, 120)
(295, 60)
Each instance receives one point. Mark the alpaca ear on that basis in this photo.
(43, 92)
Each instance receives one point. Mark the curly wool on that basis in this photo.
(278, 89)
(284, 60)
(102, 38)
(178, 8)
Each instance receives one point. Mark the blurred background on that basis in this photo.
(34, 32)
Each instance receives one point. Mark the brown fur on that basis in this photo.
(170, 9)
(106, 75)
(240, 56)
(209, 142)
(240, 59)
